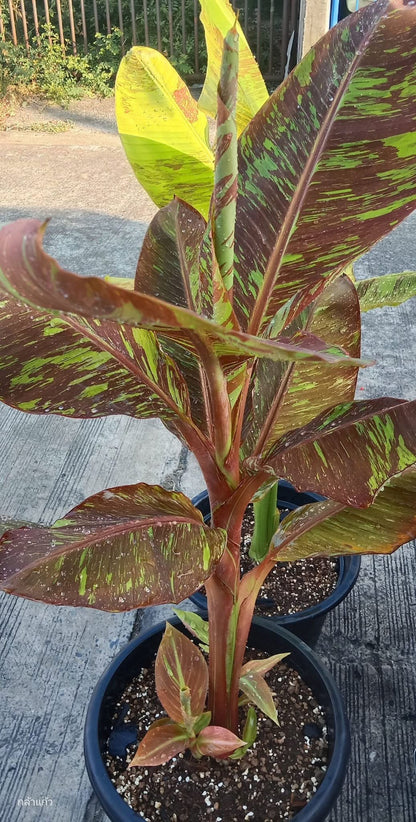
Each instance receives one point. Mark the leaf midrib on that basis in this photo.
(302, 190)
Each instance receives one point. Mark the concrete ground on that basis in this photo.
(51, 657)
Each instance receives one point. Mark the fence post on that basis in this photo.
(313, 23)
(2, 34)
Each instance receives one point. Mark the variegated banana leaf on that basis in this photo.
(164, 134)
(390, 289)
(349, 451)
(123, 548)
(83, 368)
(331, 529)
(181, 675)
(326, 167)
(31, 276)
(287, 396)
(218, 17)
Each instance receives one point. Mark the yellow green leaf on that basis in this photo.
(218, 17)
(164, 134)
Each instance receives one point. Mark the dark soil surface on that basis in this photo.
(291, 586)
(273, 781)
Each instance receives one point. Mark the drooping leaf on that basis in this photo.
(126, 547)
(83, 368)
(181, 675)
(262, 666)
(218, 17)
(216, 741)
(331, 529)
(249, 734)
(196, 625)
(164, 134)
(349, 451)
(287, 396)
(390, 289)
(160, 744)
(31, 276)
(256, 689)
(327, 166)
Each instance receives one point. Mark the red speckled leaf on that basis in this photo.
(181, 674)
(256, 689)
(326, 167)
(126, 547)
(161, 743)
(216, 741)
(349, 451)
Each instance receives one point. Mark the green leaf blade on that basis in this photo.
(256, 689)
(218, 17)
(164, 134)
(389, 289)
(195, 624)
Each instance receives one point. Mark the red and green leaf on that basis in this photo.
(262, 666)
(331, 529)
(216, 741)
(161, 743)
(377, 437)
(31, 276)
(81, 368)
(123, 548)
(181, 674)
(223, 204)
(290, 395)
(326, 167)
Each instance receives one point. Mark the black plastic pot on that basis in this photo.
(263, 635)
(306, 624)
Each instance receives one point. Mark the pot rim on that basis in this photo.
(321, 802)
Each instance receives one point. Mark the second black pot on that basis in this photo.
(265, 636)
(306, 624)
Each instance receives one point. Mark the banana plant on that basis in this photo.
(238, 332)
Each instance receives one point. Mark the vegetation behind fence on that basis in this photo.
(171, 26)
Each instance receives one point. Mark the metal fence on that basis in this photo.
(171, 26)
